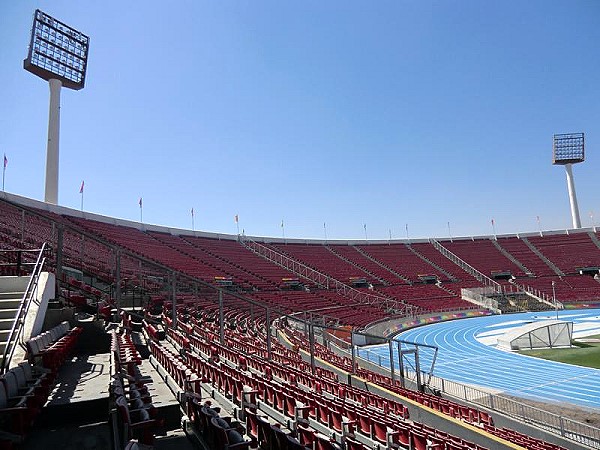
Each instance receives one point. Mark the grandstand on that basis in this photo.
(226, 342)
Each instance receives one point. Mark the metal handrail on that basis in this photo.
(18, 325)
(556, 424)
(481, 277)
(323, 279)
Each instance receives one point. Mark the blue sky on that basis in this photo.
(381, 113)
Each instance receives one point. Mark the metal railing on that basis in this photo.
(484, 279)
(573, 430)
(323, 280)
(478, 296)
(562, 426)
(16, 332)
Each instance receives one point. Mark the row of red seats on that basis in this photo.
(445, 406)
(24, 390)
(139, 420)
(52, 348)
(522, 439)
(369, 412)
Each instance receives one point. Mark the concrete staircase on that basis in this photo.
(549, 263)
(11, 294)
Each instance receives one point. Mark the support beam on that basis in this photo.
(51, 192)
(572, 196)
(268, 323)
(221, 319)
(174, 299)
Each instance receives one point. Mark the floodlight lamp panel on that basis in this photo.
(568, 148)
(57, 51)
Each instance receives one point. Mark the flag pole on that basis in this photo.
(449, 232)
(325, 230)
(407, 238)
(283, 231)
(4, 170)
(390, 241)
(365, 227)
(494, 228)
(193, 229)
(141, 211)
(81, 192)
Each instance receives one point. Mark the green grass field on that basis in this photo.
(582, 354)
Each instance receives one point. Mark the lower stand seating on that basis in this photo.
(53, 347)
(23, 392)
(137, 415)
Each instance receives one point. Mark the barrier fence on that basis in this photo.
(579, 432)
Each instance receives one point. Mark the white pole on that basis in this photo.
(325, 230)
(554, 297)
(51, 193)
(572, 196)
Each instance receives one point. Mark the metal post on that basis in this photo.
(554, 298)
(311, 340)
(420, 386)
(268, 320)
(353, 352)
(51, 193)
(118, 279)
(174, 298)
(221, 319)
(400, 364)
(59, 253)
(19, 261)
(391, 347)
(23, 226)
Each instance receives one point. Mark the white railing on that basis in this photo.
(323, 280)
(537, 294)
(484, 279)
(478, 297)
(579, 432)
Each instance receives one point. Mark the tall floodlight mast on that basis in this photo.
(568, 149)
(57, 54)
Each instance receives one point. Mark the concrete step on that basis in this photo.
(4, 335)
(8, 313)
(11, 295)
(6, 324)
(10, 303)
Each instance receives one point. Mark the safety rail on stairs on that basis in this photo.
(485, 280)
(326, 281)
(16, 331)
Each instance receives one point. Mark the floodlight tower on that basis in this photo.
(568, 149)
(57, 54)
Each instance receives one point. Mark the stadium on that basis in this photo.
(122, 334)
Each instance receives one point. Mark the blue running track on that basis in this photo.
(464, 359)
